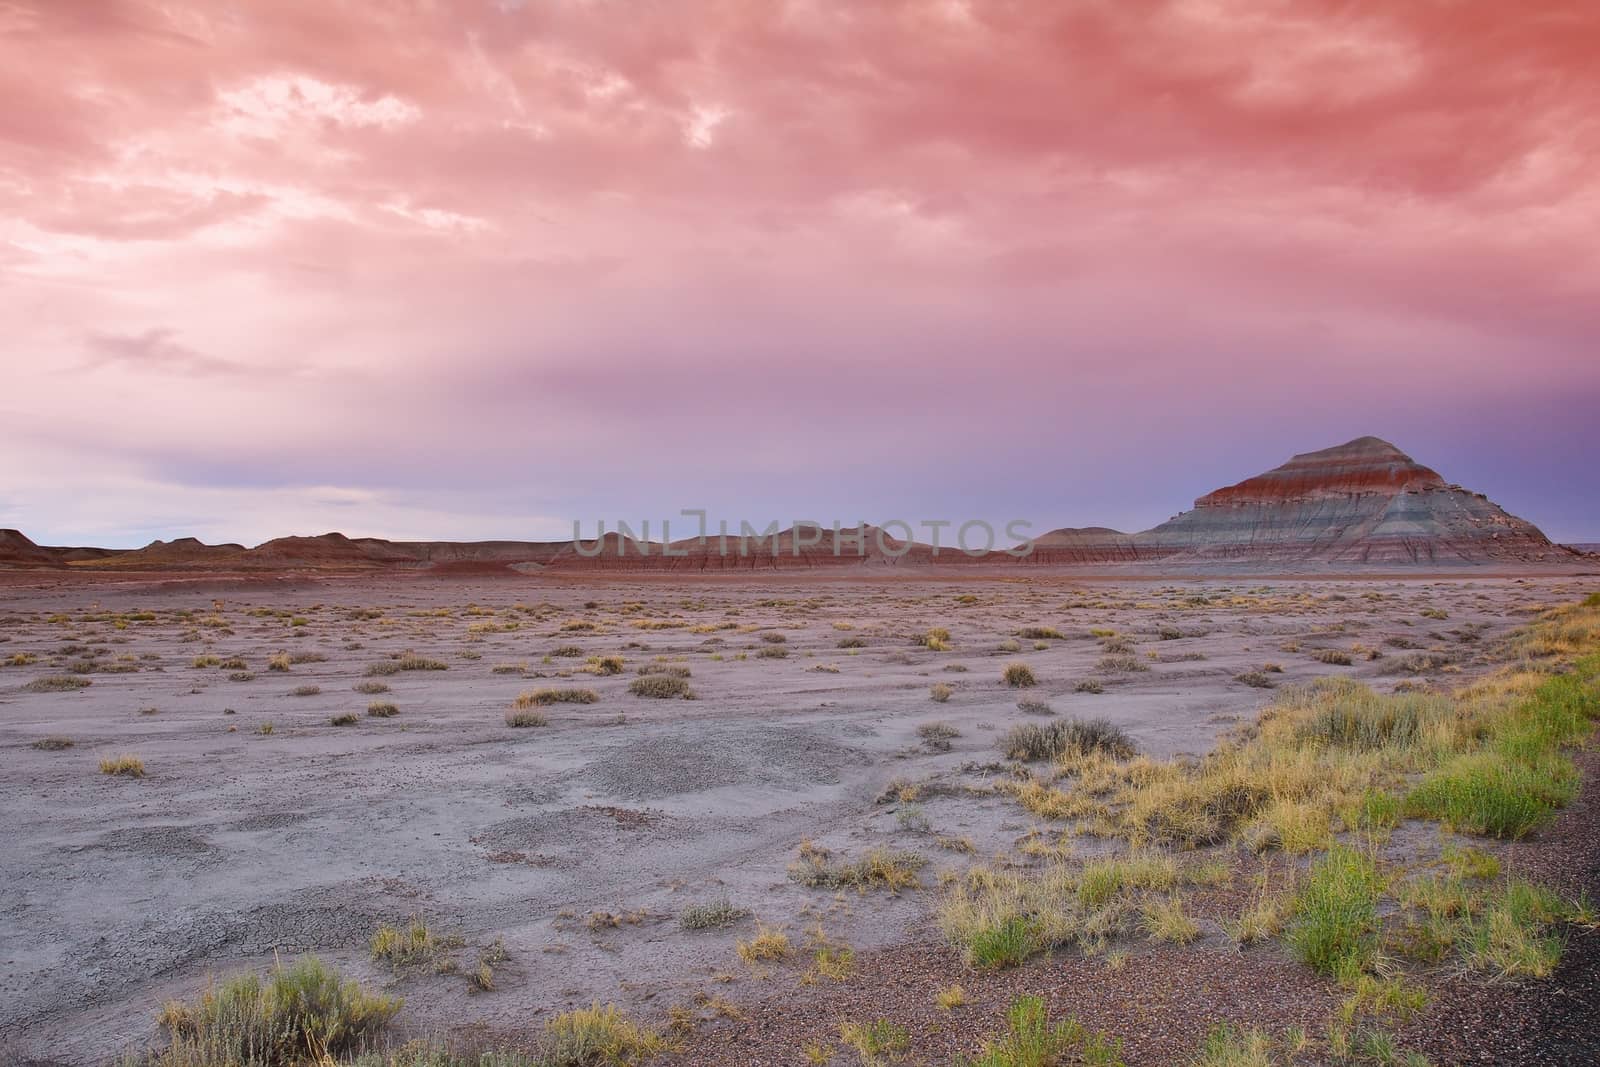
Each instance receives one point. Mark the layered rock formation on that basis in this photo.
(1362, 503)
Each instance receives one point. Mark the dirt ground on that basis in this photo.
(119, 893)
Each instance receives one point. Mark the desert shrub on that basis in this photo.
(305, 690)
(772, 652)
(202, 662)
(566, 651)
(1255, 679)
(1123, 663)
(713, 915)
(598, 1037)
(128, 766)
(659, 687)
(382, 709)
(383, 667)
(676, 670)
(536, 698)
(526, 718)
(773, 638)
(1040, 633)
(604, 665)
(1010, 644)
(1088, 685)
(1019, 676)
(412, 662)
(893, 870)
(852, 642)
(937, 735)
(410, 945)
(1423, 662)
(345, 718)
(1035, 707)
(1051, 740)
(56, 683)
(371, 688)
(1335, 656)
(940, 692)
(280, 662)
(301, 1013)
(52, 744)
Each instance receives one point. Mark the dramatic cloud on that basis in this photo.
(418, 266)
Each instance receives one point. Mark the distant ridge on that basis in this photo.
(1361, 504)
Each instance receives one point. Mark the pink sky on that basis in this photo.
(476, 269)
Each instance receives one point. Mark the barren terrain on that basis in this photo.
(566, 853)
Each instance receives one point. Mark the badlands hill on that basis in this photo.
(1358, 505)
(1363, 502)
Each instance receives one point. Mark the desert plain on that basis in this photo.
(324, 758)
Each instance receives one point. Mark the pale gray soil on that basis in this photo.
(117, 893)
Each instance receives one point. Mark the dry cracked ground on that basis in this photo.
(275, 815)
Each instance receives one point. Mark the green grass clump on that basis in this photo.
(1511, 936)
(1226, 1047)
(304, 1012)
(1483, 793)
(1335, 923)
(1521, 776)
(1030, 1041)
(1007, 943)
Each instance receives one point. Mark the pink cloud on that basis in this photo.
(881, 218)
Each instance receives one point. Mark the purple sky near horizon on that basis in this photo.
(477, 269)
